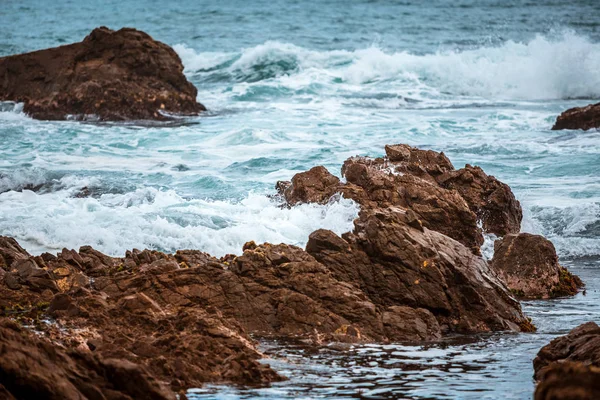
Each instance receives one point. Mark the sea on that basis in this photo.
(293, 84)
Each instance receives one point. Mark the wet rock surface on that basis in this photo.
(110, 75)
(569, 367)
(585, 118)
(529, 266)
(449, 201)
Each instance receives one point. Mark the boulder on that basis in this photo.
(110, 75)
(581, 345)
(529, 266)
(32, 368)
(585, 118)
(569, 367)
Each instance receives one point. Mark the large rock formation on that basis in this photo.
(449, 201)
(569, 367)
(185, 318)
(585, 118)
(110, 75)
(529, 266)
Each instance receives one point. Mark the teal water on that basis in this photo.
(290, 85)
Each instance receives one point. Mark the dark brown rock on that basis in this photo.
(32, 368)
(569, 367)
(585, 118)
(453, 202)
(529, 266)
(397, 264)
(569, 381)
(581, 345)
(491, 200)
(316, 185)
(110, 75)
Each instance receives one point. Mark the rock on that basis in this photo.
(491, 200)
(33, 368)
(316, 185)
(110, 75)
(585, 118)
(569, 381)
(453, 202)
(581, 345)
(396, 264)
(569, 367)
(529, 266)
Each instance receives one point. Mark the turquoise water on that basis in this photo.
(290, 85)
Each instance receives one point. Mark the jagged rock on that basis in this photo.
(491, 200)
(32, 368)
(569, 367)
(529, 266)
(449, 201)
(585, 118)
(110, 75)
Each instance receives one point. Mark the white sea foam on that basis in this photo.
(543, 68)
(150, 218)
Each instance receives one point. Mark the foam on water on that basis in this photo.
(155, 219)
(547, 67)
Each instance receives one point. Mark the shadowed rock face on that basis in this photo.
(446, 200)
(110, 75)
(529, 266)
(32, 368)
(585, 118)
(569, 367)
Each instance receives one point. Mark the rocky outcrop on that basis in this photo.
(110, 75)
(32, 368)
(529, 266)
(185, 318)
(585, 118)
(569, 367)
(452, 202)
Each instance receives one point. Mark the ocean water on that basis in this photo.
(294, 84)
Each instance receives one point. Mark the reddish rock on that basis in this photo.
(453, 202)
(110, 75)
(581, 345)
(569, 381)
(585, 118)
(395, 263)
(32, 368)
(529, 266)
(569, 367)
(316, 185)
(491, 200)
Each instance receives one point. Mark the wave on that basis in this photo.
(574, 230)
(162, 220)
(546, 67)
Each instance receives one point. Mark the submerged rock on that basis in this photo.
(569, 367)
(110, 75)
(585, 118)
(529, 266)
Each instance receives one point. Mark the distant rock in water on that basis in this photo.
(110, 75)
(569, 367)
(529, 266)
(585, 118)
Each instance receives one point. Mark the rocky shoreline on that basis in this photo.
(410, 271)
